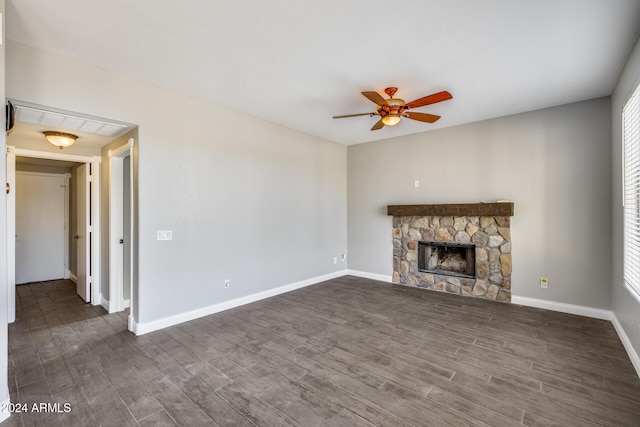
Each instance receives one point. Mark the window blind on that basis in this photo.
(631, 195)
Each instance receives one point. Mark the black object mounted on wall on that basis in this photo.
(10, 111)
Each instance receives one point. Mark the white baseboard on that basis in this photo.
(73, 278)
(579, 310)
(67, 274)
(633, 355)
(5, 414)
(104, 303)
(144, 328)
(372, 276)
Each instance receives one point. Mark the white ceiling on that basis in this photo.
(298, 63)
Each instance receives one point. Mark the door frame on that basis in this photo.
(11, 235)
(95, 262)
(116, 226)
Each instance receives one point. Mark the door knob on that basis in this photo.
(121, 241)
(76, 237)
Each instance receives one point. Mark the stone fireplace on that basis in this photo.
(462, 249)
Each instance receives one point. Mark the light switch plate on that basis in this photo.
(164, 235)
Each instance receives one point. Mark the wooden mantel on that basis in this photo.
(458, 209)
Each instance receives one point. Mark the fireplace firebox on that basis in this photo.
(449, 259)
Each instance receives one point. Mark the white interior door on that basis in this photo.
(83, 235)
(40, 227)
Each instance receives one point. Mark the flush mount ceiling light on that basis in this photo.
(60, 139)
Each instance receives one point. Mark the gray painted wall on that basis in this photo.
(554, 164)
(247, 200)
(625, 306)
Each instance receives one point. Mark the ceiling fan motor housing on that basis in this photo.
(394, 106)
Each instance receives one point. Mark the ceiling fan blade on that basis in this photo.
(378, 125)
(431, 99)
(422, 117)
(353, 115)
(375, 98)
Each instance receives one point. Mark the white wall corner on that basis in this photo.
(132, 325)
(144, 328)
(104, 302)
(633, 354)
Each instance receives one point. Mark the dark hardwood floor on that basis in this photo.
(346, 352)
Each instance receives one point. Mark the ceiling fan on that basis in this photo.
(393, 109)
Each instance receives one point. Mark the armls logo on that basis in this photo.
(51, 407)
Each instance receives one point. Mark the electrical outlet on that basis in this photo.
(344, 257)
(227, 283)
(416, 183)
(335, 260)
(544, 283)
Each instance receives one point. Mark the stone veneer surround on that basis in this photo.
(491, 236)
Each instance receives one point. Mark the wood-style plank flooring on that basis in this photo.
(347, 352)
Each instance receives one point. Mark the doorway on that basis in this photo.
(88, 289)
(95, 136)
(121, 238)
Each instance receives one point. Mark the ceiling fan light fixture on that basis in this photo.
(392, 110)
(60, 139)
(391, 119)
